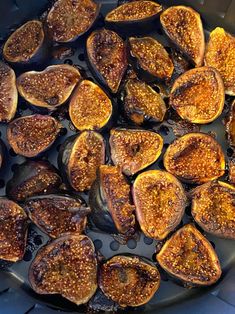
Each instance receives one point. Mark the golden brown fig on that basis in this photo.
(90, 108)
(220, 54)
(13, 231)
(184, 27)
(190, 257)
(195, 158)
(31, 135)
(49, 88)
(69, 19)
(198, 95)
(160, 201)
(129, 280)
(66, 266)
(232, 171)
(134, 150)
(230, 126)
(106, 53)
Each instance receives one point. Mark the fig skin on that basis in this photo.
(28, 135)
(195, 158)
(230, 126)
(160, 202)
(189, 257)
(183, 26)
(8, 93)
(66, 266)
(49, 88)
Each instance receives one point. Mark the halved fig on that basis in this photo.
(107, 56)
(80, 157)
(195, 158)
(49, 88)
(90, 108)
(198, 95)
(57, 214)
(69, 19)
(184, 27)
(129, 280)
(190, 257)
(231, 169)
(133, 149)
(33, 178)
(151, 57)
(13, 231)
(142, 103)
(31, 135)
(160, 201)
(230, 126)
(8, 93)
(110, 202)
(66, 266)
(219, 54)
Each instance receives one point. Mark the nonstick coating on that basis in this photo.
(16, 297)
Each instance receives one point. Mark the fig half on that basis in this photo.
(49, 88)
(195, 158)
(133, 149)
(190, 257)
(160, 201)
(90, 108)
(198, 95)
(66, 266)
(184, 27)
(230, 126)
(129, 280)
(13, 231)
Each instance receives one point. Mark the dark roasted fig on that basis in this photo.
(33, 178)
(160, 201)
(49, 88)
(57, 214)
(151, 57)
(134, 150)
(220, 54)
(230, 126)
(31, 135)
(66, 266)
(129, 280)
(13, 230)
(109, 200)
(80, 157)
(69, 19)
(195, 158)
(90, 108)
(8, 93)
(107, 56)
(184, 27)
(198, 95)
(190, 257)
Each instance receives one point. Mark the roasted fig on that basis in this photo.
(129, 280)
(134, 150)
(69, 19)
(57, 214)
(13, 230)
(190, 257)
(230, 126)
(109, 200)
(90, 108)
(8, 93)
(195, 158)
(79, 158)
(220, 54)
(107, 57)
(160, 201)
(184, 27)
(49, 88)
(66, 266)
(33, 178)
(31, 135)
(232, 171)
(151, 57)
(198, 95)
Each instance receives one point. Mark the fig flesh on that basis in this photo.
(230, 126)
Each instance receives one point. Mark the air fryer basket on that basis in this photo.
(16, 297)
